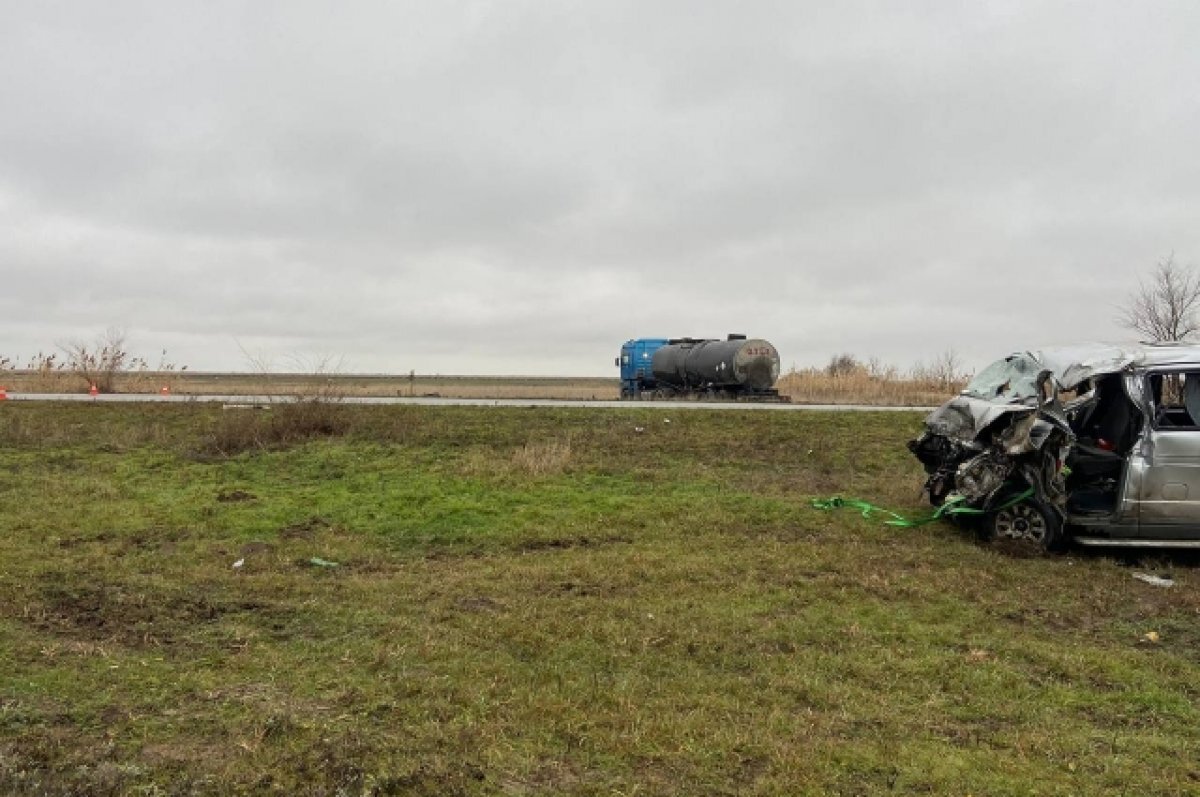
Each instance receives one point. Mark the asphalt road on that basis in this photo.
(243, 401)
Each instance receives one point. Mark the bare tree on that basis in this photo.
(1166, 307)
(947, 370)
(844, 364)
(98, 362)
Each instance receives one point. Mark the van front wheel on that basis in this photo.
(1027, 523)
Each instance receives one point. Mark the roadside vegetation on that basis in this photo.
(107, 365)
(845, 381)
(410, 600)
(849, 380)
(104, 364)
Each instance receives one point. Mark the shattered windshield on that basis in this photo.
(1013, 379)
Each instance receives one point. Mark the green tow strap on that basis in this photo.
(954, 506)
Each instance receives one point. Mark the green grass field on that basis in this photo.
(549, 601)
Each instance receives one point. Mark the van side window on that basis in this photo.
(1176, 400)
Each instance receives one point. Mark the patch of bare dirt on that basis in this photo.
(99, 612)
(308, 529)
(560, 543)
(479, 603)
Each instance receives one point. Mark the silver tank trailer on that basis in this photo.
(737, 363)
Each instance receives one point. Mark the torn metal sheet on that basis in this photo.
(1105, 438)
(1011, 421)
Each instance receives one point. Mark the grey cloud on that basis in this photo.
(521, 186)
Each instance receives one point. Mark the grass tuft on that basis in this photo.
(278, 426)
(543, 458)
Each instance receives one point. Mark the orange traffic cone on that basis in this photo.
(3, 394)
(93, 390)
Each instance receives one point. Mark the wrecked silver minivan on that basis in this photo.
(1096, 443)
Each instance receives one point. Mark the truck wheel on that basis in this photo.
(1026, 523)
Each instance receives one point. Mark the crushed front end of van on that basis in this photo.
(1003, 447)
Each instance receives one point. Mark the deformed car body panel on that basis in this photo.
(1073, 365)
(998, 426)
(1108, 437)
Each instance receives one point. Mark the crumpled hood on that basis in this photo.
(1009, 421)
(1013, 425)
(965, 416)
(962, 418)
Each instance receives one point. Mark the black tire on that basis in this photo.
(1028, 523)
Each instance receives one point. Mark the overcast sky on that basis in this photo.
(518, 187)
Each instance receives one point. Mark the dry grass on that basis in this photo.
(808, 386)
(47, 380)
(812, 386)
(282, 424)
(543, 458)
(531, 460)
(399, 385)
(41, 381)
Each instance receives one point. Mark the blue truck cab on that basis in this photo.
(634, 362)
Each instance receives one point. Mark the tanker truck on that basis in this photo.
(737, 368)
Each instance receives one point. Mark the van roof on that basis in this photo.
(1077, 363)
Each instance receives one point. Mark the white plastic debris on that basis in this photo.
(1157, 581)
(239, 563)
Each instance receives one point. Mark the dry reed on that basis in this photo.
(812, 386)
(878, 387)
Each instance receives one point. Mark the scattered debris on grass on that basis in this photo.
(1157, 581)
